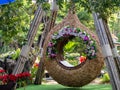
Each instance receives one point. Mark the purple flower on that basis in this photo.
(92, 47)
(71, 30)
(66, 29)
(66, 34)
(53, 55)
(75, 31)
(86, 38)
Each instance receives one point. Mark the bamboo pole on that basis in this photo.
(40, 71)
(107, 52)
(114, 50)
(26, 48)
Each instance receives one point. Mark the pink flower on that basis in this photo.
(50, 44)
(93, 36)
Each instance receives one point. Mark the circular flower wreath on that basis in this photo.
(89, 52)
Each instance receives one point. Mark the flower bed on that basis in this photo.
(21, 78)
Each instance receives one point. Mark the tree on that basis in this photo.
(15, 21)
(114, 24)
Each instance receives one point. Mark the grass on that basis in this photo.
(60, 87)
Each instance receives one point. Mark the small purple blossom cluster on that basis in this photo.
(90, 50)
(70, 32)
(51, 50)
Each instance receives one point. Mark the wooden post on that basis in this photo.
(31, 35)
(107, 52)
(48, 27)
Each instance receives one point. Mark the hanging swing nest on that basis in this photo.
(81, 74)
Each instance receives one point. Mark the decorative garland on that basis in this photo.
(89, 52)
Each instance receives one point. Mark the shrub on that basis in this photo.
(105, 78)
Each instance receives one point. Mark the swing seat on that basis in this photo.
(64, 73)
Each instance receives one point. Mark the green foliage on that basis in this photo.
(4, 49)
(14, 20)
(72, 58)
(118, 37)
(86, 18)
(33, 72)
(70, 46)
(118, 49)
(16, 54)
(73, 50)
(79, 45)
(24, 82)
(114, 24)
(61, 2)
(45, 6)
(83, 15)
(104, 7)
(105, 78)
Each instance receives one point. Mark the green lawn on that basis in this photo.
(60, 87)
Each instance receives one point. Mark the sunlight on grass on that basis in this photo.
(60, 87)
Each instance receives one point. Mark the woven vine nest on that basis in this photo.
(72, 76)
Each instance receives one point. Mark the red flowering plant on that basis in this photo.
(3, 76)
(34, 69)
(21, 78)
(2, 71)
(36, 65)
